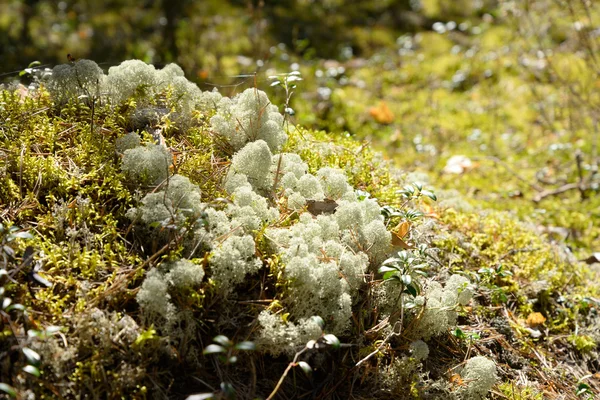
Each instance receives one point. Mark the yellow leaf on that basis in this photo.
(535, 319)
(382, 113)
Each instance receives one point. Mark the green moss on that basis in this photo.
(514, 391)
(582, 343)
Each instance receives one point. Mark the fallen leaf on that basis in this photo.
(429, 211)
(402, 229)
(382, 113)
(318, 207)
(398, 242)
(456, 380)
(535, 319)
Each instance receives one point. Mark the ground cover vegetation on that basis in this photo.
(161, 240)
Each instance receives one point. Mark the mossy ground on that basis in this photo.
(477, 92)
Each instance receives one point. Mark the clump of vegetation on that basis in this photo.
(188, 263)
(167, 217)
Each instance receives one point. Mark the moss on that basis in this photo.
(582, 343)
(514, 391)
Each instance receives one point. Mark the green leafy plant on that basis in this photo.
(288, 83)
(493, 278)
(415, 191)
(404, 269)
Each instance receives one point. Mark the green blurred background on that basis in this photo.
(208, 37)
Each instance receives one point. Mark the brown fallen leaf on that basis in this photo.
(382, 113)
(402, 229)
(318, 207)
(398, 242)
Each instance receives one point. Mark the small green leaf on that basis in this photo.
(429, 194)
(412, 290)
(32, 356)
(214, 349)
(34, 333)
(386, 268)
(305, 367)
(148, 334)
(17, 306)
(24, 235)
(459, 333)
(232, 360)
(9, 251)
(30, 369)
(392, 260)
(246, 346)
(9, 390)
(223, 340)
(332, 340)
(392, 275)
(406, 279)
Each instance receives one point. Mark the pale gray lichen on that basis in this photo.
(279, 337)
(127, 142)
(184, 274)
(146, 165)
(440, 306)
(232, 260)
(254, 162)
(177, 200)
(248, 117)
(131, 78)
(153, 295)
(419, 350)
(79, 80)
(479, 374)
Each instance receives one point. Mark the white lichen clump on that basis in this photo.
(248, 117)
(253, 161)
(278, 337)
(147, 165)
(480, 375)
(127, 142)
(154, 297)
(440, 306)
(80, 80)
(233, 260)
(184, 274)
(323, 257)
(419, 350)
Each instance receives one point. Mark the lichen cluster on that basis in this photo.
(154, 237)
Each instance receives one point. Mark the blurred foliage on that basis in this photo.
(198, 35)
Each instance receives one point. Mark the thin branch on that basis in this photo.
(287, 370)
